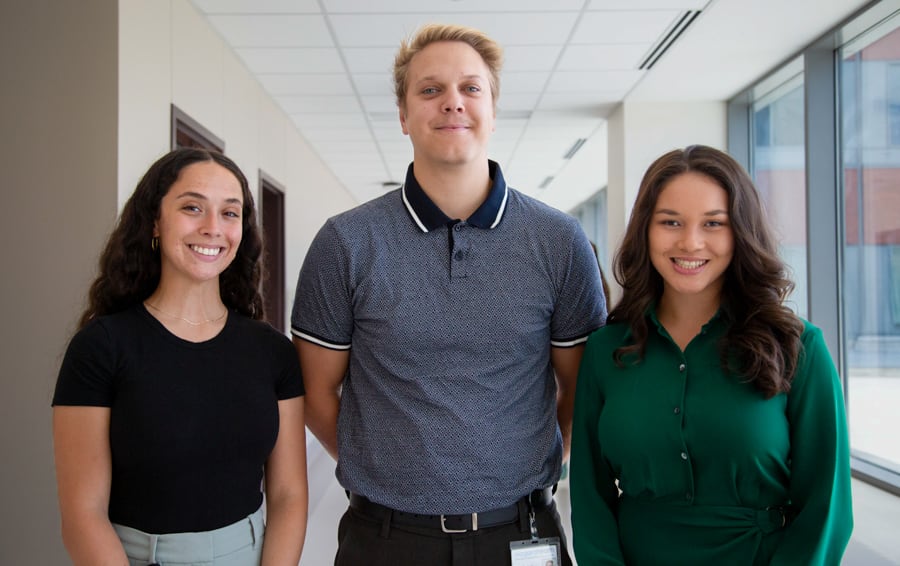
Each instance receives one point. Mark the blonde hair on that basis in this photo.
(489, 50)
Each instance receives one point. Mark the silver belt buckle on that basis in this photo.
(457, 531)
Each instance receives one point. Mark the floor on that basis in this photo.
(875, 541)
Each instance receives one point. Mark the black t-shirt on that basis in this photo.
(192, 424)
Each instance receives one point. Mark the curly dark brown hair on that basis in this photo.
(129, 269)
(762, 344)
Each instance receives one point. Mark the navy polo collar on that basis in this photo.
(428, 216)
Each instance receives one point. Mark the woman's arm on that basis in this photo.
(820, 462)
(592, 486)
(287, 497)
(83, 477)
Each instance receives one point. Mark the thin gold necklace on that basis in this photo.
(191, 322)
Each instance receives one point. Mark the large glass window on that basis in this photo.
(591, 214)
(870, 156)
(778, 168)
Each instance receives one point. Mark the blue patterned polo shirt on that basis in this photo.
(449, 402)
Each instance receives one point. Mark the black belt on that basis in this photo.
(538, 500)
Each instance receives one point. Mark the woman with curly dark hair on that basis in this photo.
(175, 400)
(709, 422)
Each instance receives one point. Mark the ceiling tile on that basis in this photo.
(316, 135)
(531, 28)
(389, 130)
(273, 30)
(397, 6)
(617, 82)
(292, 60)
(380, 107)
(624, 26)
(523, 82)
(516, 102)
(378, 84)
(305, 83)
(394, 147)
(530, 57)
(357, 148)
(354, 121)
(257, 6)
(316, 104)
(647, 4)
(603, 57)
(583, 103)
(371, 59)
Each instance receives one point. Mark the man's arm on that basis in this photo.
(323, 373)
(565, 363)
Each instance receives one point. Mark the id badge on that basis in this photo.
(540, 552)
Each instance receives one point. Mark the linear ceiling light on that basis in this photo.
(682, 24)
(574, 149)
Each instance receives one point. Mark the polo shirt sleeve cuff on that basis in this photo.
(569, 342)
(318, 340)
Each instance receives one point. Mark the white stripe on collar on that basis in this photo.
(412, 211)
(501, 208)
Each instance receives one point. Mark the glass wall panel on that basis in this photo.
(870, 156)
(778, 169)
(592, 214)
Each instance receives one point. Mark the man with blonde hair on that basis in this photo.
(440, 328)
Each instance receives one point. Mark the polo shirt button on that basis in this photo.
(677, 410)
(684, 455)
(681, 367)
(459, 255)
(688, 496)
(457, 227)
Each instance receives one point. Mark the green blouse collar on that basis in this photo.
(717, 318)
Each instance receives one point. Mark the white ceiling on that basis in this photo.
(567, 64)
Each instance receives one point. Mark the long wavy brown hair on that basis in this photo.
(129, 268)
(762, 344)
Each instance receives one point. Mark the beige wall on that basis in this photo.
(58, 108)
(84, 110)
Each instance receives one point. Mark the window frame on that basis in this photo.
(825, 261)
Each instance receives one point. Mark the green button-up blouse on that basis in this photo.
(710, 471)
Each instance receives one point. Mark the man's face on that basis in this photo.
(448, 111)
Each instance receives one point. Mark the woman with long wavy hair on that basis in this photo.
(175, 402)
(709, 422)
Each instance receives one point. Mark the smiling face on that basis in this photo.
(690, 237)
(448, 110)
(199, 225)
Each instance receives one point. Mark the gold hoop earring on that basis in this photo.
(154, 243)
